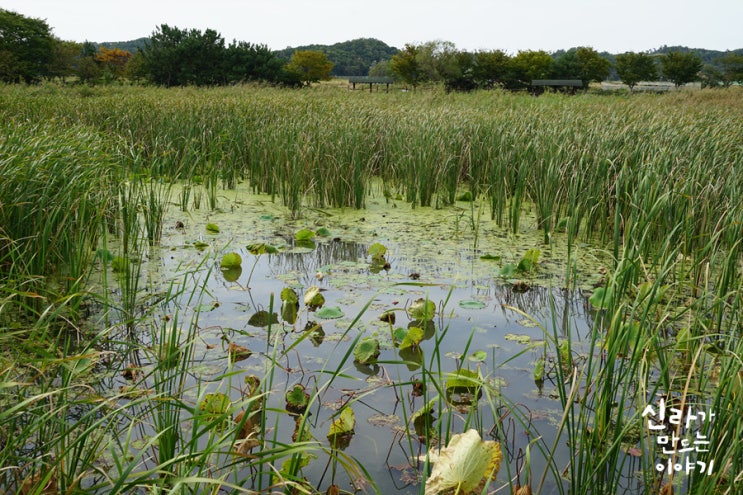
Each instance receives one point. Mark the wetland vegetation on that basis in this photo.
(247, 289)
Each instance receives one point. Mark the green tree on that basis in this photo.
(635, 67)
(527, 66)
(381, 69)
(405, 65)
(490, 68)
(582, 63)
(178, 57)
(681, 67)
(88, 71)
(136, 68)
(65, 55)
(458, 73)
(248, 62)
(25, 48)
(593, 67)
(311, 66)
(731, 65)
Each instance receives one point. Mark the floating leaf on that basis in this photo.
(212, 228)
(330, 313)
(261, 248)
(323, 232)
(231, 260)
(422, 309)
(412, 339)
(478, 356)
(262, 319)
(289, 295)
(343, 423)
(529, 261)
(304, 235)
(422, 419)
(463, 387)
(464, 464)
(366, 351)
(520, 338)
(388, 317)
(490, 257)
(297, 399)
(602, 298)
(289, 311)
(238, 352)
(470, 304)
(200, 245)
(376, 250)
(313, 298)
(214, 407)
(507, 271)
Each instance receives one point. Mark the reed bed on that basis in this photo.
(589, 158)
(656, 179)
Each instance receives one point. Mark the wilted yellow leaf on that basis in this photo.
(463, 464)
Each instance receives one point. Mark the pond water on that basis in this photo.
(484, 322)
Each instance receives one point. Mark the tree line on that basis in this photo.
(169, 57)
(177, 57)
(463, 71)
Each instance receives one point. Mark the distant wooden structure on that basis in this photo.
(371, 81)
(566, 85)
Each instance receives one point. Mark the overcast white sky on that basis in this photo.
(509, 25)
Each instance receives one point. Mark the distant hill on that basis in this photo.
(707, 56)
(130, 46)
(350, 58)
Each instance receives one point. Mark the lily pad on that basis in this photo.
(344, 423)
(529, 261)
(238, 352)
(200, 245)
(422, 309)
(366, 351)
(330, 313)
(465, 463)
(478, 356)
(231, 260)
(323, 232)
(313, 298)
(602, 298)
(507, 271)
(471, 304)
(304, 235)
(412, 339)
(261, 248)
(377, 250)
(262, 319)
(214, 407)
(212, 228)
(297, 399)
(289, 295)
(520, 338)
